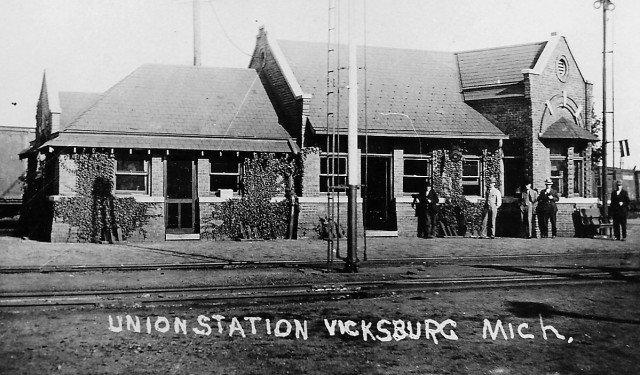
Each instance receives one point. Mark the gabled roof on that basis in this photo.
(408, 92)
(497, 66)
(176, 102)
(566, 129)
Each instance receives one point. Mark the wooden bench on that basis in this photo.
(593, 220)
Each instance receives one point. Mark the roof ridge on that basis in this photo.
(368, 46)
(502, 47)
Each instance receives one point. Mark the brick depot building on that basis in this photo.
(177, 135)
(514, 113)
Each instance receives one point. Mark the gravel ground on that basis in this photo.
(598, 333)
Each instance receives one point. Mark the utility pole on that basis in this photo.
(196, 33)
(606, 5)
(352, 148)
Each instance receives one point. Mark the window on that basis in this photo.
(558, 175)
(333, 171)
(578, 180)
(132, 174)
(471, 177)
(225, 173)
(416, 171)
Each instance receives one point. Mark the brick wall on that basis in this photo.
(157, 176)
(398, 172)
(407, 220)
(527, 117)
(547, 89)
(204, 167)
(311, 173)
(312, 209)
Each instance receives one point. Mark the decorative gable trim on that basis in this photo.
(286, 70)
(546, 56)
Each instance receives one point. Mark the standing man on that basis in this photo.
(493, 200)
(619, 211)
(432, 210)
(420, 205)
(547, 210)
(528, 203)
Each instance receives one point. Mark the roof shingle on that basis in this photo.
(408, 92)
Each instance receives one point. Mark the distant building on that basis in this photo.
(630, 182)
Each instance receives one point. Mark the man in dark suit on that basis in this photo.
(425, 204)
(619, 211)
(528, 202)
(420, 205)
(432, 210)
(547, 210)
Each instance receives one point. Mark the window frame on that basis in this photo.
(238, 161)
(325, 156)
(412, 157)
(145, 173)
(477, 178)
(560, 181)
(578, 177)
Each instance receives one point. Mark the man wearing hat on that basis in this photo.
(547, 209)
(619, 211)
(425, 204)
(493, 200)
(528, 203)
(432, 210)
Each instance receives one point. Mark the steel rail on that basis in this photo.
(284, 263)
(291, 292)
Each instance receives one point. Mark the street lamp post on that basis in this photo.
(606, 5)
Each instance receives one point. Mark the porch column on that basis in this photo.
(204, 182)
(570, 171)
(398, 173)
(157, 176)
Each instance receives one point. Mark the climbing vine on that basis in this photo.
(458, 210)
(254, 215)
(95, 213)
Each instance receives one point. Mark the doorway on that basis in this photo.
(180, 216)
(379, 212)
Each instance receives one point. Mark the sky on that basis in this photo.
(90, 45)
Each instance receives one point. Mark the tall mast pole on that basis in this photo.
(352, 149)
(604, 108)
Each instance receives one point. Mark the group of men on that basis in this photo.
(534, 205)
(541, 204)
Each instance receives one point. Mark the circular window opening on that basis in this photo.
(562, 68)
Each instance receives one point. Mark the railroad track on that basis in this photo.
(199, 265)
(238, 295)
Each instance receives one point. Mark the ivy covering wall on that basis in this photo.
(458, 210)
(254, 215)
(95, 214)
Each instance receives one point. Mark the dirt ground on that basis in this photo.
(600, 326)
